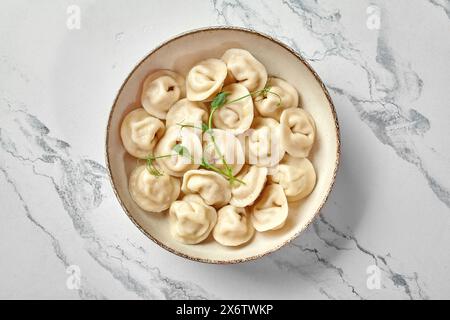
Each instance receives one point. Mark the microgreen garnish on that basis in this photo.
(204, 127)
(151, 166)
(218, 102)
(181, 150)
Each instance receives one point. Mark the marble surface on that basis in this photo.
(386, 65)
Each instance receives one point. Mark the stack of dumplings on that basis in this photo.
(260, 136)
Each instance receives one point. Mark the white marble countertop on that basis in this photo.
(387, 66)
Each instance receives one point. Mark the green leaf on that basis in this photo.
(181, 150)
(151, 168)
(205, 127)
(205, 163)
(219, 100)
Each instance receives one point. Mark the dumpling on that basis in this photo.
(226, 145)
(151, 193)
(270, 211)
(176, 165)
(238, 116)
(191, 219)
(297, 177)
(243, 195)
(211, 186)
(233, 227)
(140, 132)
(243, 67)
(187, 113)
(160, 91)
(263, 143)
(205, 80)
(298, 131)
(270, 105)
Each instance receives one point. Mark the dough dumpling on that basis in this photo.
(238, 116)
(270, 211)
(233, 227)
(151, 193)
(243, 195)
(245, 69)
(297, 177)
(226, 145)
(161, 90)
(205, 80)
(263, 143)
(140, 132)
(191, 219)
(212, 187)
(270, 105)
(187, 113)
(298, 131)
(177, 165)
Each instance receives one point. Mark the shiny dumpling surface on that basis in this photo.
(205, 79)
(233, 227)
(161, 90)
(282, 96)
(191, 220)
(263, 147)
(245, 194)
(245, 69)
(176, 165)
(297, 177)
(211, 186)
(185, 112)
(225, 144)
(151, 193)
(298, 131)
(270, 211)
(140, 133)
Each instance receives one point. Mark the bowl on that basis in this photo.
(180, 54)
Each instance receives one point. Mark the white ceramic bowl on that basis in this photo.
(180, 54)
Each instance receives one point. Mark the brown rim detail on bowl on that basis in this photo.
(331, 105)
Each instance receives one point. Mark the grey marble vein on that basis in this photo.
(443, 4)
(395, 96)
(313, 257)
(382, 107)
(81, 186)
(385, 107)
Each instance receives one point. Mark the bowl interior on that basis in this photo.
(180, 54)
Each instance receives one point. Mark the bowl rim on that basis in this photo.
(332, 109)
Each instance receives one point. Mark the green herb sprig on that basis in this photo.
(218, 102)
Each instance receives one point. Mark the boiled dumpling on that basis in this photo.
(297, 177)
(160, 91)
(243, 195)
(298, 131)
(140, 132)
(270, 211)
(151, 193)
(235, 117)
(244, 67)
(226, 145)
(205, 80)
(191, 219)
(283, 96)
(187, 112)
(233, 227)
(176, 165)
(211, 186)
(263, 143)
